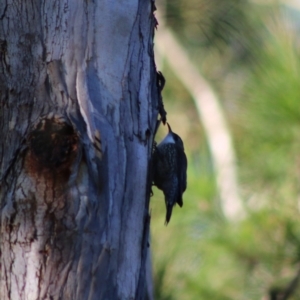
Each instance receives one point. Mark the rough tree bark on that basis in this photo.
(78, 108)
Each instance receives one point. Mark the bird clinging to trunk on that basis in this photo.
(169, 170)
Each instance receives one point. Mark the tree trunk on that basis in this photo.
(78, 108)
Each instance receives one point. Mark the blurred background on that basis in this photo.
(233, 95)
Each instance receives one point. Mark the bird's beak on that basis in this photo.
(170, 130)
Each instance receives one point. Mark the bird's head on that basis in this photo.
(172, 138)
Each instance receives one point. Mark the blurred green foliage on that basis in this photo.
(250, 54)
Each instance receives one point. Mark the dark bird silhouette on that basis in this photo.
(169, 170)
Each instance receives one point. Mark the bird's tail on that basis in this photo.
(169, 213)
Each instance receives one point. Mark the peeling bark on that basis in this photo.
(78, 110)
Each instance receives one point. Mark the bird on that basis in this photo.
(170, 170)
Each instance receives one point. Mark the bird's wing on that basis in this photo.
(181, 173)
